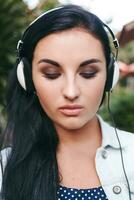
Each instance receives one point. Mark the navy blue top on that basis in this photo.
(65, 193)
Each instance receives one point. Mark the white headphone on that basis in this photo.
(20, 75)
(113, 68)
(115, 75)
(22, 81)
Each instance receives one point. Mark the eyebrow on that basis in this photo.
(52, 62)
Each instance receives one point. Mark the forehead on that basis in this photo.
(76, 42)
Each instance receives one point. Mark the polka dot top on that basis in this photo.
(65, 193)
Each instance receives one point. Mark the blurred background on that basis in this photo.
(15, 15)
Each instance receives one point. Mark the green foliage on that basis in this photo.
(48, 4)
(122, 107)
(126, 53)
(12, 21)
(14, 18)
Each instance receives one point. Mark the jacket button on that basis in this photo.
(104, 154)
(117, 189)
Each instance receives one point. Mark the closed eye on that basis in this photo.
(51, 75)
(88, 75)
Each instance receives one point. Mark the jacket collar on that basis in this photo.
(109, 137)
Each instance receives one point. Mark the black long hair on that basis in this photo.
(31, 172)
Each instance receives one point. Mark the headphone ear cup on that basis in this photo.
(112, 75)
(20, 74)
(24, 75)
(116, 75)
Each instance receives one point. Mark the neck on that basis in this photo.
(85, 139)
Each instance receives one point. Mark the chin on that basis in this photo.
(72, 127)
(72, 124)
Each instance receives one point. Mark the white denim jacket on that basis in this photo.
(108, 162)
(109, 165)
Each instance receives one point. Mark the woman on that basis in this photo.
(59, 147)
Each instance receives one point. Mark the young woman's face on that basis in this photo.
(69, 74)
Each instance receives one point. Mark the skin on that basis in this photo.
(79, 135)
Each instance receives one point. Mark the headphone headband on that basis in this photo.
(21, 41)
(113, 69)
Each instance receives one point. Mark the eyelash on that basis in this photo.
(52, 76)
(56, 75)
(88, 75)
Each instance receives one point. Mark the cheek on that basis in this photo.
(94, 91)
(47, 93)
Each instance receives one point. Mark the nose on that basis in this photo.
(70, 89)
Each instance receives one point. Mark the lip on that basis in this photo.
(71, 110)
(71, 107)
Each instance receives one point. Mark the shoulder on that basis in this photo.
(4, 155)
(127, 136)
(120, 144)
(110, 135)
(116, 138)
(127, 143)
